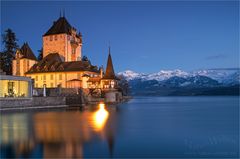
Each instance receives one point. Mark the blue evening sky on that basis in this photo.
(144, 36)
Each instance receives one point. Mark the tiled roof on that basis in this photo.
(54, 63)
(27, 52)
(60, 26)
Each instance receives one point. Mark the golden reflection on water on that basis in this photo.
(100, 117)
(62, 133)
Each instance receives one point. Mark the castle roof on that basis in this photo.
(53, 63)
(60, 26)
(109, 74)
(27, 52)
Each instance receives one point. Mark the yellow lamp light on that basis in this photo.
(100, 117)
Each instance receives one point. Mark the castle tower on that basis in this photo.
(63, 39)
(109, 80)
(24, 60)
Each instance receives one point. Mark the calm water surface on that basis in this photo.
(173, 127)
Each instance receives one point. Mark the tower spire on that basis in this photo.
(109, 69)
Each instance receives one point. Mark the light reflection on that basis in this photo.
(100, 117)
(61, 134)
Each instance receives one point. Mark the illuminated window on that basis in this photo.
(44, 77)
(14, 88)
(36, 78)
(60, 77)
(51, 77)
(51, 84)
(112, 84)
(36, 85)
(10, 89)
(73, 50)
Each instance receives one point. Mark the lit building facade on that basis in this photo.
(62, 64)
(24, 60)
(15, 87)
(63, 39)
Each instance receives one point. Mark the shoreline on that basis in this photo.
(44, 103)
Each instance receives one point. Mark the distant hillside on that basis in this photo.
(178, 82)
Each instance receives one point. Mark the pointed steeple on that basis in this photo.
(109, 74)
(27, 52)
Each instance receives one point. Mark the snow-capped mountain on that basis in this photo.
(159, 76)
(223, 76)
(178, 82)
(220, 75)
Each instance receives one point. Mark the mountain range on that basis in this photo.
(178, 82)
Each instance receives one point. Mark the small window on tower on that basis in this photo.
(51, 38)
(55, 37)
(73, 50)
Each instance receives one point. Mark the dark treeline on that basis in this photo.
(10, 46)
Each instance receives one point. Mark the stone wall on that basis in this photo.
(32, 102)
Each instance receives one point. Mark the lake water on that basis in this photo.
(161, 127)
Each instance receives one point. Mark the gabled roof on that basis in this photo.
(109, 74)
(27, 52)
(60, 26)
(53, 63)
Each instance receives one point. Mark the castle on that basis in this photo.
(62, 64)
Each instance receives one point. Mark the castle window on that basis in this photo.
(55, 37)
(73, 50)
(27, 64)
(51, 38)
(36, 78)
(60, 77)
(44, 77)
(36, 85)
(51, 84)
(51, 77)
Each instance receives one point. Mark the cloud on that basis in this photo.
(216, 57)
